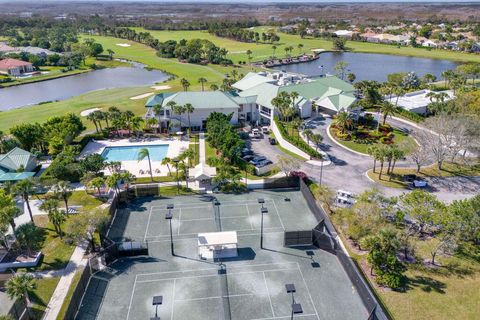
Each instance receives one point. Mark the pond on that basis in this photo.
(370, 66)
(67, 87)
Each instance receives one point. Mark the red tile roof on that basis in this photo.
(12, 63)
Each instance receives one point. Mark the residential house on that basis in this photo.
(5, 48)
(17, 164)
(417, 101)
(475, 47)
(344, 34)
(14, 67)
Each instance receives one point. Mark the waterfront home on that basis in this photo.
(475, 47)
(251, 99)
(14, 67)
(17, 164)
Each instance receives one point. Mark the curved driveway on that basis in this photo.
(348, 169)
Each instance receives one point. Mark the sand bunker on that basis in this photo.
(123, 45)
(160, 87)
(141, 96)
(85, 113)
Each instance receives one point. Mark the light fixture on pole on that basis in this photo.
(157, 300)
(263, 211)
(169, 217)
(296, 307)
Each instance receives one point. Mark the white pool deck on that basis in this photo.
(175, 147)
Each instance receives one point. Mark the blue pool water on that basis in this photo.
(130, 153)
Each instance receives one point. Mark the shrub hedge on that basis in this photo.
(409, 115)
(298, 142)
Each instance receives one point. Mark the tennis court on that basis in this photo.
(250, 286)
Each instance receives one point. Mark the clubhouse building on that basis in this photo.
(251, 99)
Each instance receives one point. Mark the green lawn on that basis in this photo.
(56, 253)
(41, 296)
(97, 99)
(449, 169)
(401, 139)
(446, 292)
(237, 50)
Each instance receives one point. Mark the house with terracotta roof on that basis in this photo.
(14, 67)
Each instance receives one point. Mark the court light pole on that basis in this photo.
(157, 301)
(176, 161)
(169, 217)
(261, 201)
(296, 307)
(217, 205)
(263, 211)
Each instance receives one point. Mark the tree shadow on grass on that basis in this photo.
(426, 284)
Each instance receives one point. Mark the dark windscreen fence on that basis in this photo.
(78, 292)
(281, 183)
(325, 238)
(297, 238)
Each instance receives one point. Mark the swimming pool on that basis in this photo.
(130, 153)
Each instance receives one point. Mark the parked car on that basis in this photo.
(256, 133)
(409, 177)
(272, 141)
(257, 160)
(265, 130)
(263, 163)
(246, 151)
(248, 157)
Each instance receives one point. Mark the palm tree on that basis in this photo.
(274, 48)
(28, 237)
(63, 190)
(18, 287)
(202, 81)
(343, 121)
(167, 161)
(185, 84)
(387, 109)
(373, 152)
(25, 188)
(308, 133)
(294, 95)
(300, 46)
(317, 140)
(158, 108)
(234, 74)
(190, 155)
(179, 109)
(92, 117)
(296, 123)
(142, 154)
(110, 53)
(188, 107)
(214, 87)
(97, 183)
(8, 215)
(57, 217)
(315, 107)
(249, 56)
(432, 95)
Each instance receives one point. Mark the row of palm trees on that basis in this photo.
(177, 163)
(115, 119)
(389, 154)
(176, 109)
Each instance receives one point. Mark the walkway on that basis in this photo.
(202, 151)
(77, 261)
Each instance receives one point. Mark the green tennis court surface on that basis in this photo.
(251, 286)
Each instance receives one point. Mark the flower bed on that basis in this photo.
(297, 141)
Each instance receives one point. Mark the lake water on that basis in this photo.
(67, 87)
(369, 66)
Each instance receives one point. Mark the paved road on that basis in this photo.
(348, 169)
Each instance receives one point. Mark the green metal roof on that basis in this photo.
(251, 80)
(203, 99)
(16, 176)
(15, 159)
(157, 99)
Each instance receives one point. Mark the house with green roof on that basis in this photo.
(203, 102)
(17, 164)
(251, 101)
